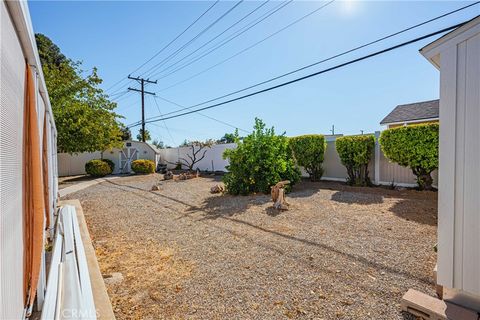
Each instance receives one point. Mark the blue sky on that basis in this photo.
(118, 36)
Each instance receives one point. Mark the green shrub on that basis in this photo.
(309, 151)
(415, 147)
(110, 163)
(260, 161)
(97, 168)
(355, 153)
(143, 166)
(178, 166)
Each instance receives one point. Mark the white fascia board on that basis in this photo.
(409, 121)
(432, 50)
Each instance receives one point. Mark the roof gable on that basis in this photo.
(413, 111)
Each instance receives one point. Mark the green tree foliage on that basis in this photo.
(126, 133)
(260, 161)
(415, 147)
(98, 168)
(143, 166)
(228, 137)
(147, 135)
(185, 143)
(309, 151)
(83, 113)
(158, 143)
(355, 153)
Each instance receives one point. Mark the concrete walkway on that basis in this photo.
(103, 306)
(82, 185)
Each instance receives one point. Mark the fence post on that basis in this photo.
(377, 158)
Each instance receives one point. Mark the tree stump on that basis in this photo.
(278, 195)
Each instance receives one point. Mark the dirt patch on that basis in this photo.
(150, 273)
(339, 253)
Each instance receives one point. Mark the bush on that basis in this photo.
(110, 163)
(97, 168)
(143, 166)
(309, 151)
(260, 161)
(415, 147)
(355, 153)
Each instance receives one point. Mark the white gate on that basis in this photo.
(127, 155)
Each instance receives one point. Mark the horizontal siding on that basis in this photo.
(12, 80)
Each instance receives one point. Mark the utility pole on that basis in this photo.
(333, 130)
(142, 82)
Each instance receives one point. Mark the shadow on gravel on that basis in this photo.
(225, 207)
(305, 189)
(347, 255)
(410, 210)
(123, 186)
(356, 198)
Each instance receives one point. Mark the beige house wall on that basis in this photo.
(397, 125)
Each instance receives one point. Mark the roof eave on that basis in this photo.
(410, 121)
(432, 50)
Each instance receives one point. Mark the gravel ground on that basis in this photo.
(338, 253)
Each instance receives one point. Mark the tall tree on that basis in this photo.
(158, 143)
(83, 114)
(147, 135)
(227, 138)
(126, 133)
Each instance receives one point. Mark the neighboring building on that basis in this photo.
(74, 164)
(412, 113)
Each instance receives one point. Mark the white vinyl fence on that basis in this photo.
(213, 160)
(381, 171)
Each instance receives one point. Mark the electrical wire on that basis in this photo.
(327, 59)
(251, 46)
(168, 44)
(314, 74)
(164, 122)
(175, 53)
(236, 33)
(202, 114)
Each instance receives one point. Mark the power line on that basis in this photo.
(164, 123)
(168, 44)
(251, 46)
(117, 95)
(174, 54)
(323, 60)
(313, 74)
(202, 114)
(178, 36)
(247, 27)
(143, 92)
